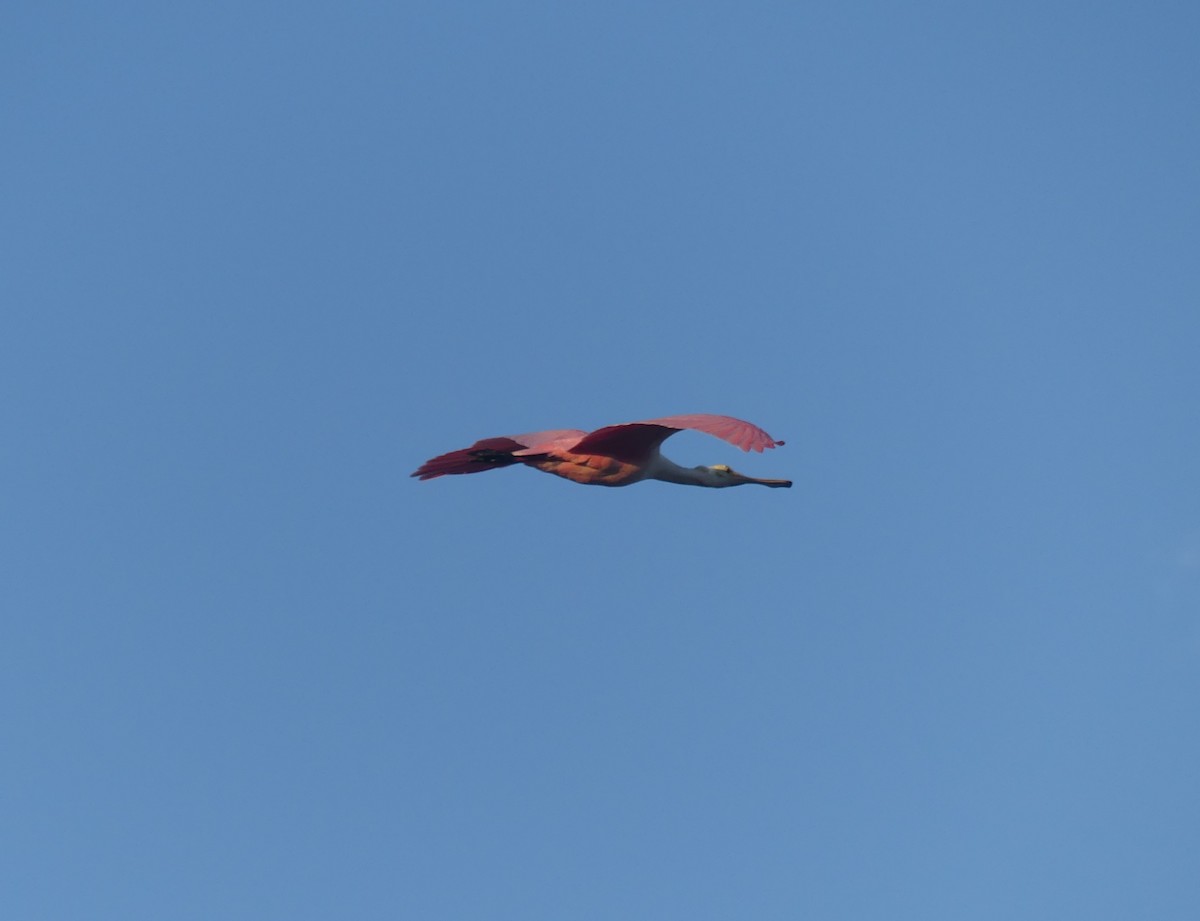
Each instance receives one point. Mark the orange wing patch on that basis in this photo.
(589, 469)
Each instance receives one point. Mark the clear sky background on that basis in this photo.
(259, 261)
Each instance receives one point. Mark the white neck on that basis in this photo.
(660, 468)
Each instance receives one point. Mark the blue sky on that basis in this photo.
(259, 261)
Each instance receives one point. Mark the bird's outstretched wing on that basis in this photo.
(634, 441)
(554, 438)
(490, 453)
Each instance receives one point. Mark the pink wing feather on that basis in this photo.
(491, 453)
(635, 440)
(553, 438)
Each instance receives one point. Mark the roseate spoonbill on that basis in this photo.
(613, 456)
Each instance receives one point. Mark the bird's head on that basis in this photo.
(721, 475)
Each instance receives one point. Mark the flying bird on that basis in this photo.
(616, 455)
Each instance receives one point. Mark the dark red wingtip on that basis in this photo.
(487, 454)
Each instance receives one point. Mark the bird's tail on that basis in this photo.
(488, 454)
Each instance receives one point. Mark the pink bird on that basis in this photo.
(616, 455)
